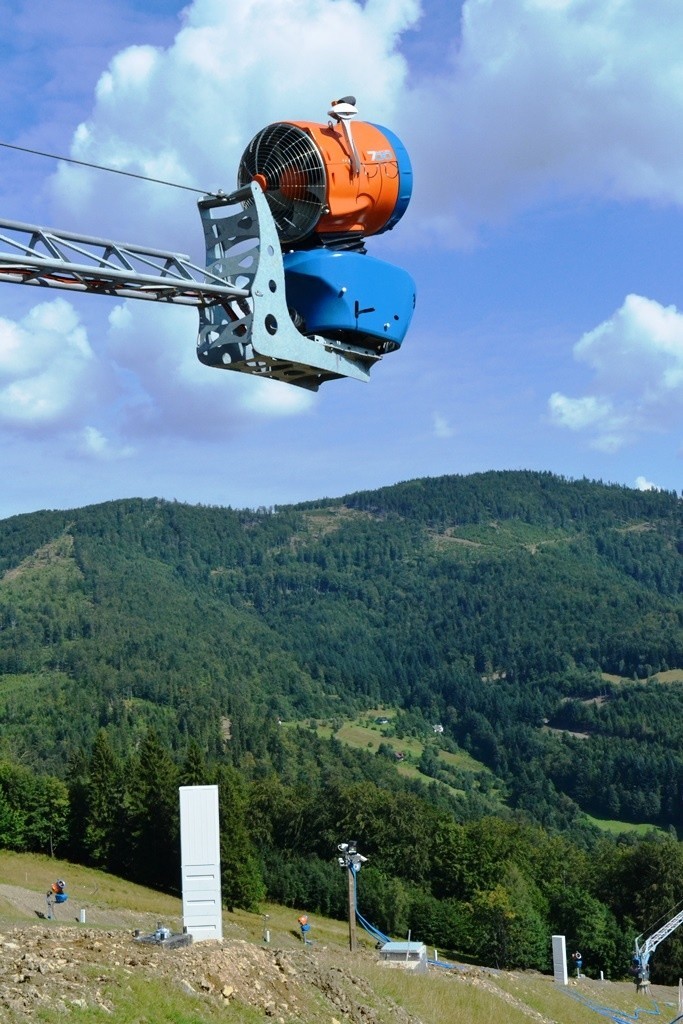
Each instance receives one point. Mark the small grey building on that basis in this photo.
(410, 956)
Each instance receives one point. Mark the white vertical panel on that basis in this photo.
(201, 862)
(560, 960)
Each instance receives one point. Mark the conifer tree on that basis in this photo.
(154, 815)
(102, 839)
(241, 876)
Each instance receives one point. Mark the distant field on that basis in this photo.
(473, 540)
(365, 733)
(361, 736)
(369, 738)
(22, 685)
(461, 759)
(617, 827)
(673, 675)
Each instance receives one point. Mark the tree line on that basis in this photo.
(491, 889)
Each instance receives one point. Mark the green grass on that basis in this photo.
(672, 675)
(618, 827)
(149, 1001)
(440, 997)
(85, 885)
(26, 686)
(461, 759)
(284, 929)
(480, 539)
(570, 1004)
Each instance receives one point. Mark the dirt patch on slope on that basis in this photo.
(63, 967)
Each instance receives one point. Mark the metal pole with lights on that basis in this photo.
(351, 860)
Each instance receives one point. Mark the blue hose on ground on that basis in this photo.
(618, 1016)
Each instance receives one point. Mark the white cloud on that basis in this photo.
(48, 374)
(594, 413)
(170, 392)
(272, 398)
(442, 427)
(579, 413)
(643, 484)
(639, 348)
(94, 444)
(186, 113)
(542, 99)
(545, 99)
(637, 361)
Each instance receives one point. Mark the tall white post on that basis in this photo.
(201, 862)
(560, 960)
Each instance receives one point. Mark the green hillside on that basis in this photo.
(492, 603)
(538, 621)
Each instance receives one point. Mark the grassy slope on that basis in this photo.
(466, 996)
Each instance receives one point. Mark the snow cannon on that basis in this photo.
(287, 291)
(328, 187)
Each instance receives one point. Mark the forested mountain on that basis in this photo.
(540, 620)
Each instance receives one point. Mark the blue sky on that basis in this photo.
(544, 235)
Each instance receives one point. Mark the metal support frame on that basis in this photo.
(351, 861)
(257, 335)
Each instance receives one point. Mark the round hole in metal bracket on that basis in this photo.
(270, 250)
(272, 285)
(270, 324)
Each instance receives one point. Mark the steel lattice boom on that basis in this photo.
(63, 259)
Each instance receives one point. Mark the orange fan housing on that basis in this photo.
(359, 203)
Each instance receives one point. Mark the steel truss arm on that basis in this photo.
(62, 259)
(652, 941)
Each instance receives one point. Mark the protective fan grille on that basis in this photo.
(287, 164)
